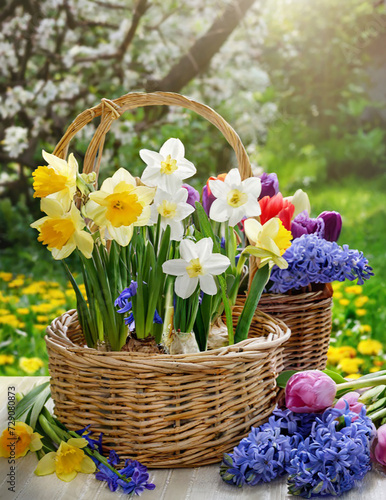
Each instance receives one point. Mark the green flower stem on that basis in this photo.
(358, 384)
(48, 430)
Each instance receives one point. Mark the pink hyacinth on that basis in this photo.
(309, 392)
(352, 400)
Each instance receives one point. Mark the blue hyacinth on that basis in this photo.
(334, 457)
(268, 449)
(315, 260)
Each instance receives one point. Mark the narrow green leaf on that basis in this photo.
(28, 400)
(258, 283)
(336, 377)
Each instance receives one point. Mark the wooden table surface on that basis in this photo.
(202, 483)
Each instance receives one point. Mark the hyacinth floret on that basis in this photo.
(315, 260)
(335, 455)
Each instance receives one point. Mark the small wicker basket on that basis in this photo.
(166, 410)
(309, 317)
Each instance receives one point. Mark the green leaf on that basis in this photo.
(283, 378)
(258, 283)
(27, 402)
(336, 377)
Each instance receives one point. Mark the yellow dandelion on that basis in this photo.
(16, 283)
(10, 319)
(3, 312)
(365, 329)
(338, 295)
(6, 276)
(374, 369)
(22, 311)
(42, 318)
(370, 347)
(40, 328)
(361, 301)
(361, 312)
(344, 302)
(355, 289)
(350, 365)
(6, 359)
(30, 365)
(354, 376)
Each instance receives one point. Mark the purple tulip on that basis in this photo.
(309, 392)
(269, 185)
(332, 225)
(207, 199)
(193, 195)
(302, 224)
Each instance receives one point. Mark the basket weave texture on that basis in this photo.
(309, 317)
(166, 410)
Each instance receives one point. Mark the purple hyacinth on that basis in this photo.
(315, 260)
(269, 185)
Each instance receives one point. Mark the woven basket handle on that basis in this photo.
(111, 110)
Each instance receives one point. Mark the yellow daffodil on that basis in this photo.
(350, 365)
(67, 461)
(6, 359)
(119, 206)
(17, 440)
(30, 365)
(269, 241)
(57, 179)
(370, 347)
(62, 231)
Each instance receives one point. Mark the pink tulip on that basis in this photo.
(352, 400)
(309, 391)
(379, 447)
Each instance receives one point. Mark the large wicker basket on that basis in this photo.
(166, 410)
(309, 317)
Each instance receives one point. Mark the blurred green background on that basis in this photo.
(303, 83)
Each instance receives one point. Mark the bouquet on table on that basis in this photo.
(324, 438)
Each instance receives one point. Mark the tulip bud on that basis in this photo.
(332, 225)
(269, 185)
(352, 399)
(302, 224)
(193, 195)
(309, 391)
(379, 450)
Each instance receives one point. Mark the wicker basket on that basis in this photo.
(309, 317)
(166, 410)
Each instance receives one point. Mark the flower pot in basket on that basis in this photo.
(309, 317)
(166, 410)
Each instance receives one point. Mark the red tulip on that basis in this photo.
(276, 206)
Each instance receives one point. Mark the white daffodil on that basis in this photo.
(168, 168)
(235, 198)
(120, 205)
(173, 209)
(197, 265)
(62, 231)
(57, 179)
(301, 202)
